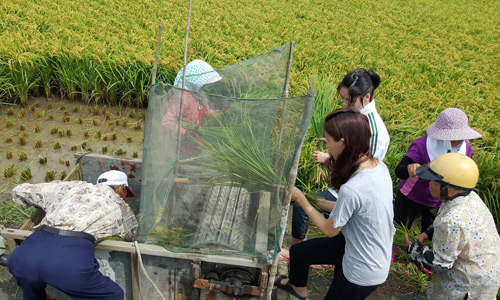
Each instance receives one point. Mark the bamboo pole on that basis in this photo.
(285, 97)
(306, 119)
(157, 56)
(186, 38)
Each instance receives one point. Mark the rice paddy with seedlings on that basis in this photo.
(46, 147)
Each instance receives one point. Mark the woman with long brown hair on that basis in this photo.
(363, 212)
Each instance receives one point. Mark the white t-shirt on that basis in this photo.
(364, 210)
(379, 141)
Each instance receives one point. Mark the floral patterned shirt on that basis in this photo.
(80, 206)
(466, 251)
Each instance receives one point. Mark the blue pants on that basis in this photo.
(300, 220)
(66, 263)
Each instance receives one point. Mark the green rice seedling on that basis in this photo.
(10, 111)
(119, 113)
(135, 154)
(86, 134)
(67, 163)
(117, 122)
(124, 124)
(65, 119)
(22, 156)
(25, 175)
(45, 71)
(32, 108)
(38, 144)
(8, 140)
(61, 161)
(66, 113)
(113, 137)
(131, 114)
(88, 149)
(9, 171)
(21, 114)
(110, 124)
(104, 138)
(83, 146)
(60, 133)
(22, 140)
(37, 128)
(62, 107)
(138, 126)
(129, 140)
(40, 114)
(104, 110)
(63, 175)
(89, 109)
(73, 148)
(57, 146)
(112, 128)
(49, 106)
(23, 78)
(119, 152)
(96, 110)
(50, 176)
(104, 150)
(8, 123)
(8, 154)
(22, 127)
(68, 132)
(43, 160)
(76, 109)
(98, 134)
(94, 122)
(24, 134)
(79, 121)
(54, 130)
(107, 117)
(50, 117)
(37, 104)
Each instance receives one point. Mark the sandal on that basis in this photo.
(287, 287)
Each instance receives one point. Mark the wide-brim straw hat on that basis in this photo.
(452, 124)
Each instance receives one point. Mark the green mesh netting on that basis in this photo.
(212, 184)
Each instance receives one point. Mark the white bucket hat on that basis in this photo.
(115, 178)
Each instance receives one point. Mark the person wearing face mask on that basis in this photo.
(449, 134)
(464, 257)
(356, 91)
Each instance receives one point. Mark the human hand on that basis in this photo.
(320, 157)
(412, 169)
(422, 237)
(407, 243)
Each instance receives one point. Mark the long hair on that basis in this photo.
(354, 128)
(359, 83)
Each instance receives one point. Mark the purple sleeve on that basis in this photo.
(468, 149)
(417, 151)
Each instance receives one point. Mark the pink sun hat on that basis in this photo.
(452, 124)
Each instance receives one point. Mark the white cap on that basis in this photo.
(115, 178)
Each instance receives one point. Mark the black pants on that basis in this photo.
(406, 211)
(329, 251)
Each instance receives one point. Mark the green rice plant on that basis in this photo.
(96, 110)
(63, 175)
(124, 124)
(79, 121)
(49, 106)
(32, 108)
(98, 134)
(104, 150)
(23, 79)
(76, 109)
(65, 119)
(37, 104)
(43, 160)
(8, 123)
(22, 140)
(8, 154)
(60, 133)
(10, 111)
(50, 176)
(66, 113)
(37, 128)
(67, 163)
(57, 146)
(50, 117)
(94, 122)
(135, 154)
(21, 114)
(38, 144)
(40, 114)
(44, 69)
(83, 146)
(8, 140)
(113, 137)
(138, 126)
(66, 69)
(22, 127)
(119, 152)
(129, 140)
(104, 138)
(22, 156)
(132, 113)
(54, 130)
(9, 171)
(25, 175)
(73, 148)
(68, 132)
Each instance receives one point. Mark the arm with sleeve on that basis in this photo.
(40, 195)
(448, 241)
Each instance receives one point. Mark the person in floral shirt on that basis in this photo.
(61, 252)
(465, 255)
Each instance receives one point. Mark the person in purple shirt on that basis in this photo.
(450, 133)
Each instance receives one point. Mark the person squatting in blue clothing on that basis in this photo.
(61, 252)
(356, 91)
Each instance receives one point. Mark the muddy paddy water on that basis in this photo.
(44, 136)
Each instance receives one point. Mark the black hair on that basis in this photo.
(359, 83)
